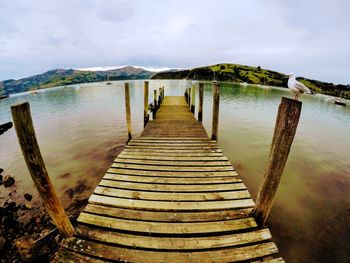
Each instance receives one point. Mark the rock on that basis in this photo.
(25, 248)
(9, 221)
(9, 181)
(1, 170)
(27, 206)
(2, 242)
(28, 197)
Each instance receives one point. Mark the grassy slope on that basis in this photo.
(254, 75)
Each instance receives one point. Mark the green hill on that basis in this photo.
(61, 77)
(253, 75)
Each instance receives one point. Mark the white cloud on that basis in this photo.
(307, 37)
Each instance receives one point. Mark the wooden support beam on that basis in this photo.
(127, 110)
(145, 104)
(193, 99)
(200, 106)
(286, 125)
(189, 97)
(23, 122)
(216, 101)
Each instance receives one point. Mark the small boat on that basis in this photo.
(4, 97)
(340, 101)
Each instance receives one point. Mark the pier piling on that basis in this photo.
(215, 120)
(145, 104)
(31, 152)
(127, 110)
(286, 125)
(200, 106)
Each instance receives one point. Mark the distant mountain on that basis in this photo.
(61, 77)
(253, 75)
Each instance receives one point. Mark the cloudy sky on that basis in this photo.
(310, 38)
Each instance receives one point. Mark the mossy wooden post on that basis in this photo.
(193, 100)
(145, 104)
(200, 106)
(215, 121)
(286, 125)
(127, 110)
(31, 152)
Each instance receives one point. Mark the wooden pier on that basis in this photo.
(170, 196)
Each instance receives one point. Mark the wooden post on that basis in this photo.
(189, 97)
(286, 125)
(160, 97)
(145, 104)
(200, 106)
(127, 110)
(154, 112)
(162, 93)
(31, 152)
(216, 100)
(193, 100)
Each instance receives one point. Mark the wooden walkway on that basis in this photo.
(170, 196)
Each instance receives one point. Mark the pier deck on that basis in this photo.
(170, 196)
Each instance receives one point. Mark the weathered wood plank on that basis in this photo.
(164, 216)
(171, 206)
(172, 180)
(191, 188)
(171, 168)
(149, 256)
(171, 163)
(159, 196)
(168, 228)
(172, 173)
(172, 158)
(174, 243)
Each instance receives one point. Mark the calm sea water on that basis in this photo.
(81, 129)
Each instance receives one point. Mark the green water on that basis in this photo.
(80, 131)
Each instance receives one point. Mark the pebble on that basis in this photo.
(9, 181)
(28, 197)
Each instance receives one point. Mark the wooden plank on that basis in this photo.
(173, 154)
(164, 216)
(173, 243)
(172, 180)
(174, 147)
(173, 187)
(174, 138)
(172, 173)
(169, 228)
(172, 168)
(172, 158)
(141, 195)
(155, 150)
(170, 163)
(175, 141)
(149, 256)
(169, 205)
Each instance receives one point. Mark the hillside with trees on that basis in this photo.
(253, 75)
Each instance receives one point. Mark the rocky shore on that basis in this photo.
(26, 232)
